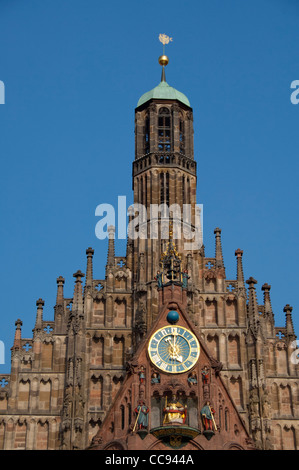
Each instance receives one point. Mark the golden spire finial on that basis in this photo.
(163, 59)
(171, 248)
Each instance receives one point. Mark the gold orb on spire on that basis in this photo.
(163, 60)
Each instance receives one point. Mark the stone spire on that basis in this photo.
(18, 335)
(39, 314)
(78, 297)
(218, 248)
(60, 294)
(268, 313)
(252, 305)
(267, 302)
(59, 317)
(289, 321)
(89, 268)
(111, 247)
(240, 273)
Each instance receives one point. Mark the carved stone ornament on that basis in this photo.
(209, 274)
(131, 367)
(216, 365)
(253, 406)
(96, 441)
(281, 346)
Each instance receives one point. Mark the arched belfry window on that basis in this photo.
(182, 135)
(146, 136)
(167, 189)
(164, 188)
(164, 130)
(162, 198)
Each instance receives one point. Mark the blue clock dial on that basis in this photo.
(174, 349)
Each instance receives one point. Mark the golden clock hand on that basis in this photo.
(178, 358)
(168, 340)
(174, 339)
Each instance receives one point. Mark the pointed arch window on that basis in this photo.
(164, 130)
(146, 136)
(167, 189)
(142, 191)
(129, 413)
(162, 200)
(164, 188)
(226, 420)
(182, 135)
(220, 416)
(122, 411)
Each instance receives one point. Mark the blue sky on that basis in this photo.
(73, 73)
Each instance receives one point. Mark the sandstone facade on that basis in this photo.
(76, 383)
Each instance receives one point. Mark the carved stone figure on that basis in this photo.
(253, 404)
(265, 405)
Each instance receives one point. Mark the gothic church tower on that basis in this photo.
(164, 183)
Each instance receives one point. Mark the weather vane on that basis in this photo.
(163, 59)
(165, 40)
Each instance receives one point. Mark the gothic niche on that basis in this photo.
(120, 308)
(211, 312)
(97, 350)
(99, 310)
(174, 417)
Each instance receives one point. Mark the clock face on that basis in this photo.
(174, 349)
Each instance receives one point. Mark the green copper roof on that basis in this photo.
(163, 92)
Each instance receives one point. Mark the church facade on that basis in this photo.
(165, 352)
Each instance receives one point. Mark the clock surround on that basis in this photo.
(173, 349)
